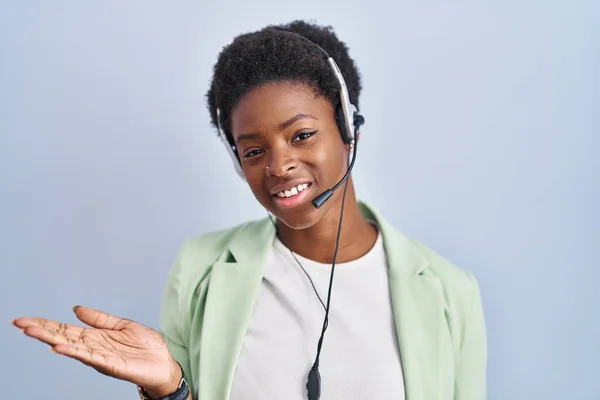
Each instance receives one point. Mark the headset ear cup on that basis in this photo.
(237, 164)
(340, 119)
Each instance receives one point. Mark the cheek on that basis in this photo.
(331, 161)
(256, 181)
(256, 184)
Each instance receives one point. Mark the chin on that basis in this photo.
(297, 222)
(296, 218)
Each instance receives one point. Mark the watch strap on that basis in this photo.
(182, 392)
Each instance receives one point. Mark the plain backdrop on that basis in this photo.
(481, 140)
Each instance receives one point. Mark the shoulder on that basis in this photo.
(458, 285)
(198, 254)
(409, 254)
(189, 275)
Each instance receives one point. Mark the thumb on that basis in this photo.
(99, 319)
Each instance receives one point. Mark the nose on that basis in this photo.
(281, 163)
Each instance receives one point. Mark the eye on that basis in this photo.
(303, 136)
(252, 153)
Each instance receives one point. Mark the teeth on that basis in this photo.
(293, 191)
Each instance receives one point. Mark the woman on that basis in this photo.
(254, 312)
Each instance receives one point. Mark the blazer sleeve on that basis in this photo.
(171, 316)
(470, 382)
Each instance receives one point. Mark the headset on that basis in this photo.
(349, 121)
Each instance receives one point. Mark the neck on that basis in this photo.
(317, 242)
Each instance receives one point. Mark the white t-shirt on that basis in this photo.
(360, 357)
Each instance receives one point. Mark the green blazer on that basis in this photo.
(215, 279)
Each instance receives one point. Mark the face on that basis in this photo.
(291, 150)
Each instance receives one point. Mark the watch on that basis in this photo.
(182, 392)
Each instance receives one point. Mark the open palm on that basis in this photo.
(114, 346)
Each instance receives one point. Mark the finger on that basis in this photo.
(59, 347)
(100, 319)
(53, 337)
(47, 324)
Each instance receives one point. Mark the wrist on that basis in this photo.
(168, 387)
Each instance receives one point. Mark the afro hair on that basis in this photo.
(273, 55)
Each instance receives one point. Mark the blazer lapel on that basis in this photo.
(233, 288)
(419, 311)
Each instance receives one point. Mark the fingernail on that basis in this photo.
(75, 308)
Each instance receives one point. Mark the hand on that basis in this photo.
(114, 346)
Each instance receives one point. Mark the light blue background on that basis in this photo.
(482, 140)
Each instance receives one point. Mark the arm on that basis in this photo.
(470, 381)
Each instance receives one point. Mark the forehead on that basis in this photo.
(267, 106)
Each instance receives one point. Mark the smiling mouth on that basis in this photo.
(292, 192)
(293, 196)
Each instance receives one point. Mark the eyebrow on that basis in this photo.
(286, 124)
(294, 119)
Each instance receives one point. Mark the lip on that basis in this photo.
(289, 202)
